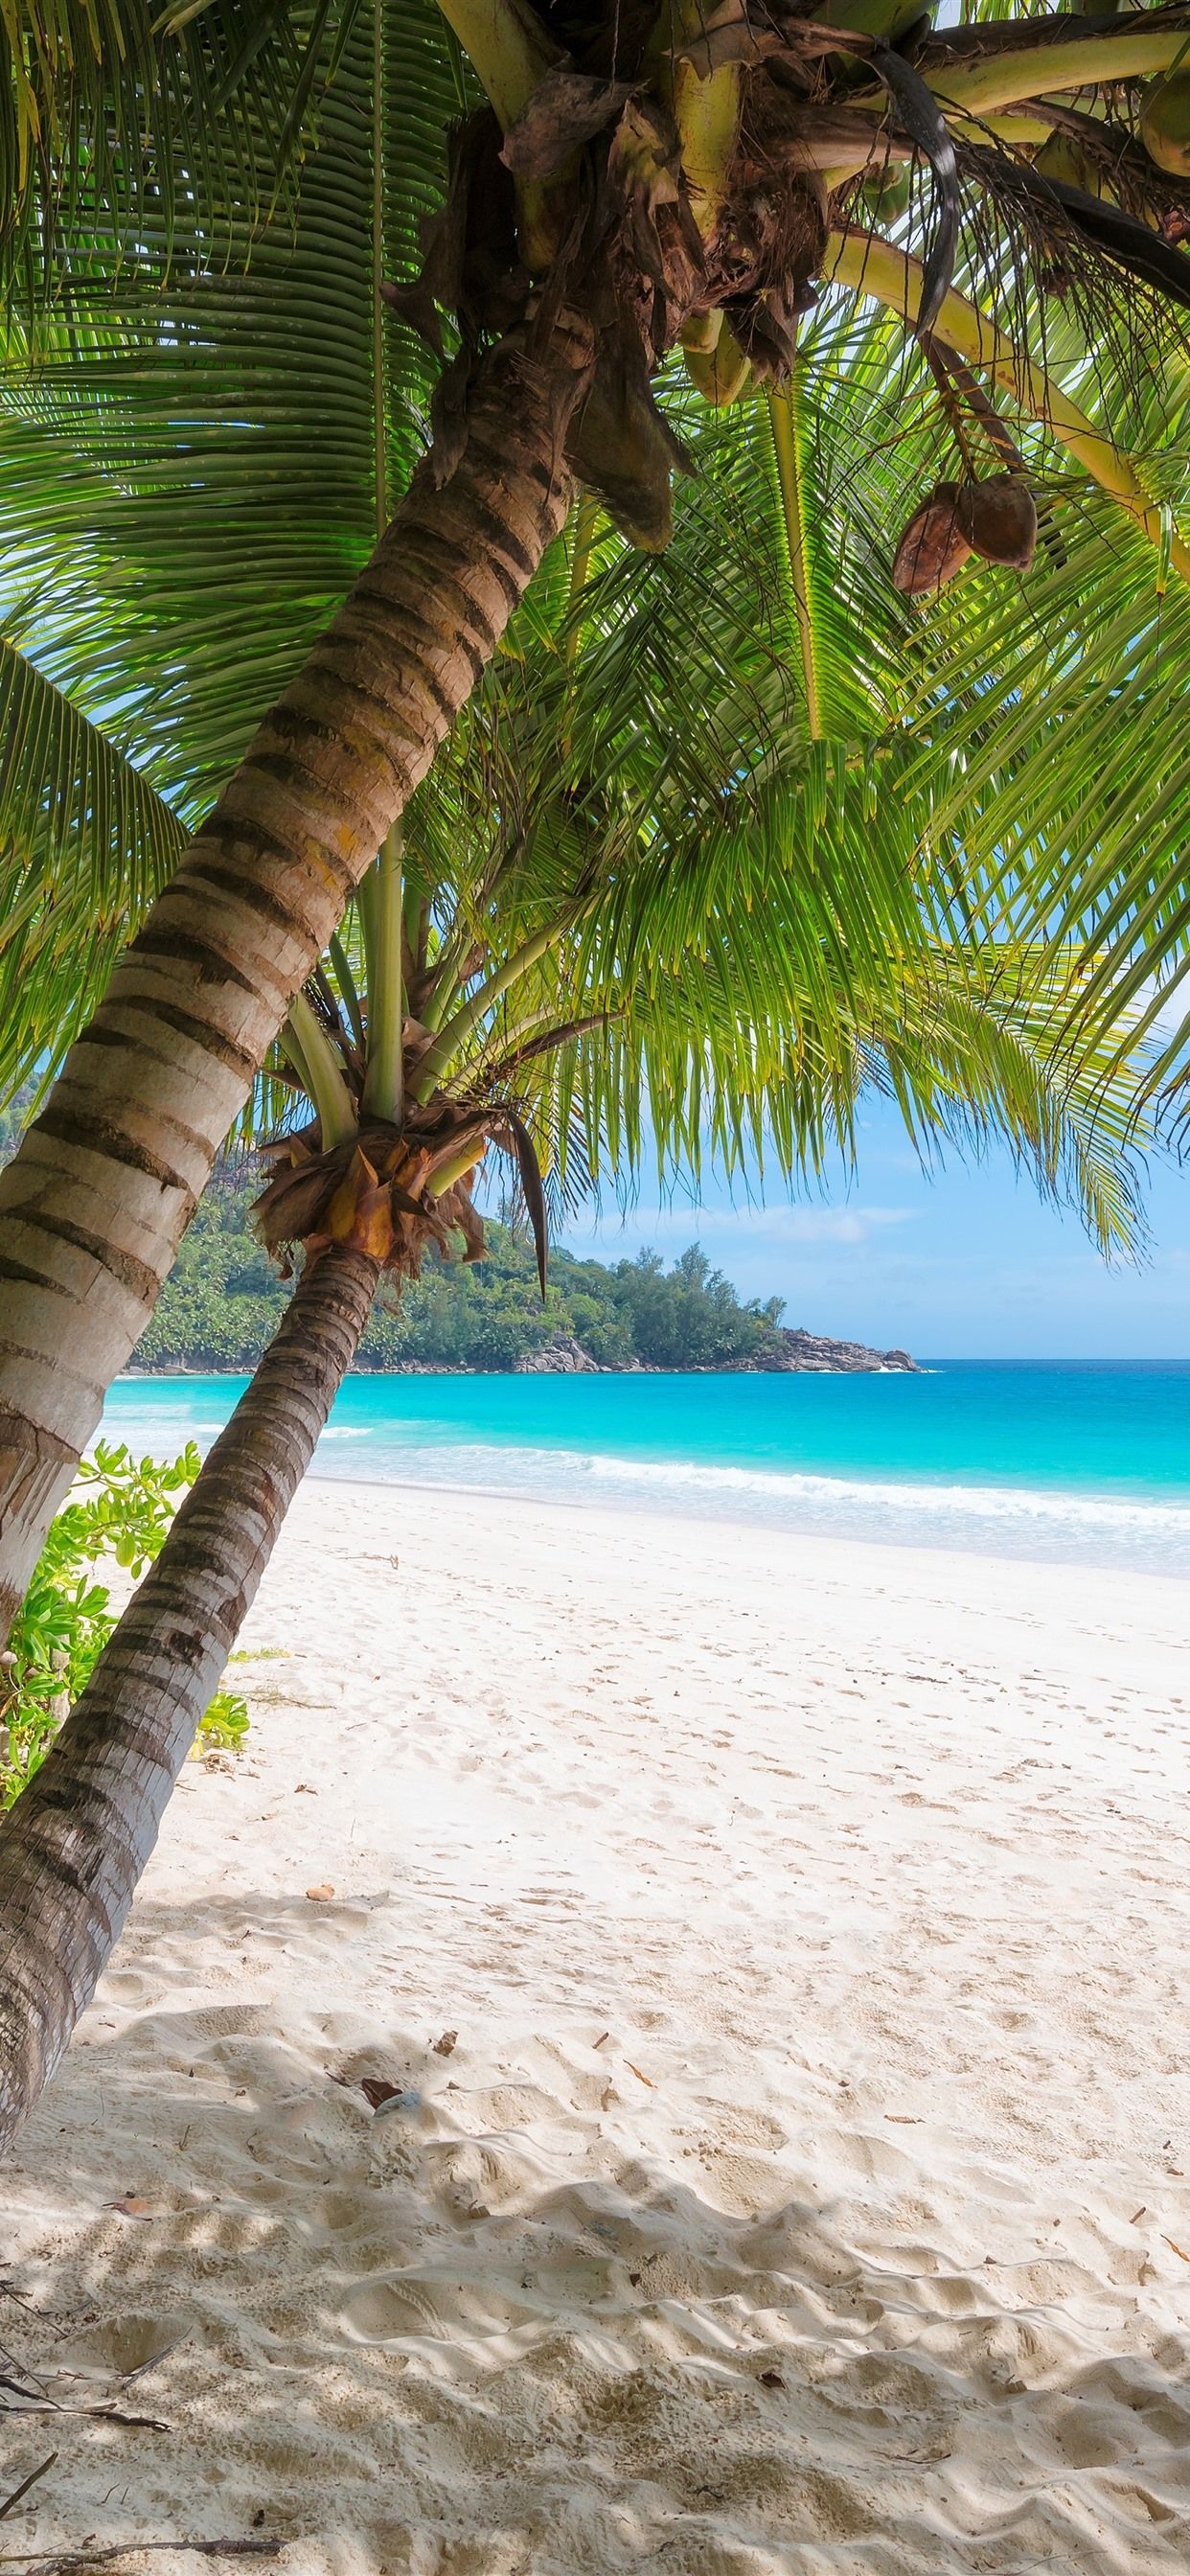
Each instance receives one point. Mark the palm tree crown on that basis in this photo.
(210, 409)
(718, 841)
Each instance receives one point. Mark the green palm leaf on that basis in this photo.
(157, 132)
(84, 842)
(191, 468)
(191, 478)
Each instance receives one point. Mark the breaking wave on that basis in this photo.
(984, 1519)
(1057, 1464)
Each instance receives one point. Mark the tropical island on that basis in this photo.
(588, 586)
(224, 1301)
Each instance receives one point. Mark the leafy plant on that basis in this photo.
(224, 1726)
(121, 1509)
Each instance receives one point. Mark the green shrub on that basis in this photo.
(120, 1508)
(225, 1725)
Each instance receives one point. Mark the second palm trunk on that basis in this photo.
(74, 1846)
(94, 1204)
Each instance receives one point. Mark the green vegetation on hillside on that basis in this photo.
(224, 1302)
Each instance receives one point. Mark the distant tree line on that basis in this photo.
(223, 1302)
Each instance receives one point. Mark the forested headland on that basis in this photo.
(224, 1301)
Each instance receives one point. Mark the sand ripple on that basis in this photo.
(805, 2187)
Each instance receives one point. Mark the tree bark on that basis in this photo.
(73, 1847)
(94, 1205)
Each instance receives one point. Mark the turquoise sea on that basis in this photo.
(1077, 1461)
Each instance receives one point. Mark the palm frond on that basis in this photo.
(191, 480)
(162, 132)
(190, 457)
(84, 842)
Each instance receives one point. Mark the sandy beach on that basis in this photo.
(779, 1952)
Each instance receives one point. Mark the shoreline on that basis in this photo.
(637, 1368)
(615, 1506)
(1001, 1515)
(778, 1950)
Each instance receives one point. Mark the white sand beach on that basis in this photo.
(806, 2183)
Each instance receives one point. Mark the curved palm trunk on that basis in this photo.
(75, 1844)
(95, 1203)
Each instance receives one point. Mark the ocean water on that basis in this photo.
(1069, 1462)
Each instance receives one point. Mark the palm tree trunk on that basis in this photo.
(94, 1205)
(73, 1847)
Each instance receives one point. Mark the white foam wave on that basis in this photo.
(987, 1501)
(1061, 1524)
(1002, 1520)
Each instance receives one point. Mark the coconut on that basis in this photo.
(1165, 124)
(715, 362)
(886, 191)
(1065, 160)
(933, 547)
(999, 519)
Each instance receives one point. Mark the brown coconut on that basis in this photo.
(933, 547)
(999, 519)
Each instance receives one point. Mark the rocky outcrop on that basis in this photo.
(784, 1349)
(561, 1357)
(813, 1351)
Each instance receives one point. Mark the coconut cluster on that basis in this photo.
(995, 518)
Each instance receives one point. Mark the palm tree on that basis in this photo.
(570, 951)
(639, 177)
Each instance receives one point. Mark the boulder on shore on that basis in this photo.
(561, 1357)
(803, 1350)
(786, 1349)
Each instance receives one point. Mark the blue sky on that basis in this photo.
(969, 1263)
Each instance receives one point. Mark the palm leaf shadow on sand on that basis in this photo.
(476, 2330)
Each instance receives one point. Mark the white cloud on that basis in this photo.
(801, 1225)
(774, 1226)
